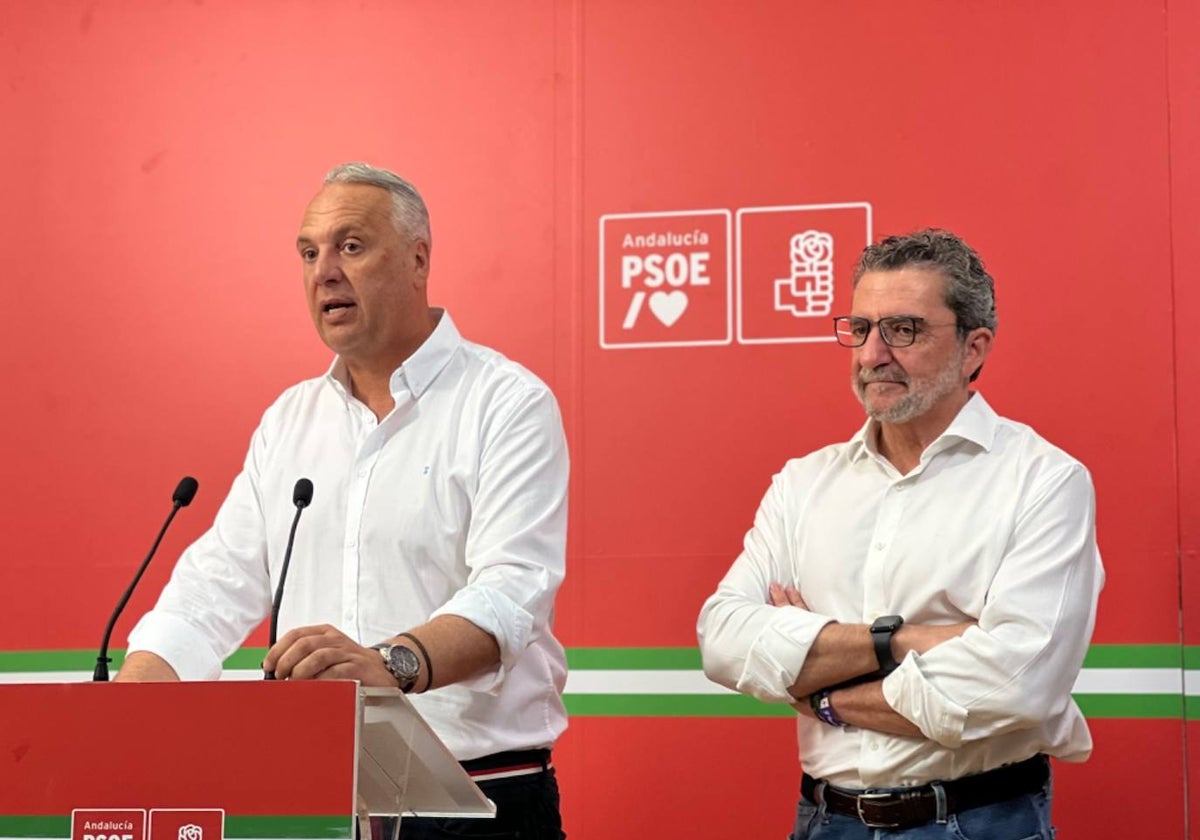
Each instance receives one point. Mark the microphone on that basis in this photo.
(185, 491)
(301, 498)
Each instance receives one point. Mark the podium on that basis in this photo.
(213, 760)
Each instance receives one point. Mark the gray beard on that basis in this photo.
(917, 401)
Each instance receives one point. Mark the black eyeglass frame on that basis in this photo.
(887, 327)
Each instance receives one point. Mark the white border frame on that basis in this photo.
(729, 248)
(153, 811)
(142, 811)
(849, 205)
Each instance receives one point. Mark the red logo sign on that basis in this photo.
(665, 279)
(108, 824)
(187, 824)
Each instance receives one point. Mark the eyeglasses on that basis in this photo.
(896, 331)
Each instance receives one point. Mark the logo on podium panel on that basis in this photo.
(187, 824)
(108, 824)
(665, 279)
(795, 269)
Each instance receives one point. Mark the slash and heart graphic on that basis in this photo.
(667, 307)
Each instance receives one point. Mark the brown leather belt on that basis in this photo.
(908, 807)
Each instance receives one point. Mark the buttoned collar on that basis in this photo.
(975, 423)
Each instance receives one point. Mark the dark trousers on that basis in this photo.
(526, 809)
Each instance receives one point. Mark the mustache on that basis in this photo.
(882, 375)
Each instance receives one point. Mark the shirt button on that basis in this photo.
(874, 745)
(880, 546)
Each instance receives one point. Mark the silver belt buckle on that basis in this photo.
(858, 805)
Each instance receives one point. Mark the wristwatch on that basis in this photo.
(882, 631)
(402, 663)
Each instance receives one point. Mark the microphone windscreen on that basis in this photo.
(185, 491)
(302, 495)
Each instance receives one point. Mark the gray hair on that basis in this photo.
(970, 291)
(408, 208)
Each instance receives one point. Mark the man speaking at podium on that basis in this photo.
(435, 541)
(924, 593)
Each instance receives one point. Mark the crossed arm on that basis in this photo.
(1005, 666)
(843, 652)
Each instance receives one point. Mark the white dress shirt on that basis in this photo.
(994, 524)
(455, 503)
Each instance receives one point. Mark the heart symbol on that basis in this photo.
(668, 306)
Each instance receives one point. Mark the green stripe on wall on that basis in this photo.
(35, 826)
(609, 658)
(283, 828)
(1141, 706)
(246, 659)
(1139, 656)
(634, 659)
(582, 659)
(55, 660)
(1130, 704)
(1094, 706)
(672, 705)
(688, 659)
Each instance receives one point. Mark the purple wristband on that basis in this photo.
(823, 709)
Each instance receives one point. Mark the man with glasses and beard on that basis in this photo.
(924, 593)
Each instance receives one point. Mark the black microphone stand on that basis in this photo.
(184, 493)
(301, 497)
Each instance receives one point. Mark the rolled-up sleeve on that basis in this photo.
(746, 643)
(1016, 669)
(516, 542)
(219, 590)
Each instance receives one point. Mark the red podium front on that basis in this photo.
(204, 761)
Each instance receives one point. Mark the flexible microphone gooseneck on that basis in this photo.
(185, 491)
(301, 498)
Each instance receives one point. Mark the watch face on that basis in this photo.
(887, 624)
(403, 663)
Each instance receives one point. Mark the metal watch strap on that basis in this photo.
(385, 651)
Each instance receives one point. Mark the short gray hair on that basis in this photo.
(970, 291)
(408, 208)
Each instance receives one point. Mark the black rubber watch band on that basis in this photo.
(882, 631)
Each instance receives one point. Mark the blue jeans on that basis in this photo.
(1023, 818)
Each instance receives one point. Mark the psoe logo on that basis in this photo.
(187, 824)
(794, 269)
(666, 279)
(108, 824)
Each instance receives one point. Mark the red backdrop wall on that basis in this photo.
(160, 154)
